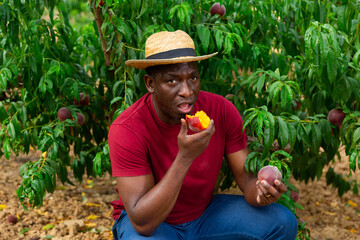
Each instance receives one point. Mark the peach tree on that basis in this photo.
(290, 67)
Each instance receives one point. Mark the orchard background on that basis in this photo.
(284, 64)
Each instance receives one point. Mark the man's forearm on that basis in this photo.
(251, 192)
(154, 207)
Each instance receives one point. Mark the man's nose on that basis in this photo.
(185, 89)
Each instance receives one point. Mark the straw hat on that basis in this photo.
(168, 48)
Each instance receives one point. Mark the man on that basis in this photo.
(166, 173)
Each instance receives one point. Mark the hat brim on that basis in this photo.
(144, 63)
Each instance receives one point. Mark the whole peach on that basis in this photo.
(269, 174)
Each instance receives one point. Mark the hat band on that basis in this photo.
(180, 52)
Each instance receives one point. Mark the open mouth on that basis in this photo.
(185, 108)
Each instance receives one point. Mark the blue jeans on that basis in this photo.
(227, 217)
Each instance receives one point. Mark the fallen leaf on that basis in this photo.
(42, 213)
(93, 204)
(84, 199)
(2, 206)
(90, 184)
(48, 226)
(90, 224)
(351, 203)
(92, 217)
(329, 213)
(108, 213)
(24, 230)
(352, 230)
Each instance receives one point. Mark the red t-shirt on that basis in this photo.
(140, 143)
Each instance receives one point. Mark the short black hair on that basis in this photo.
(152, 70)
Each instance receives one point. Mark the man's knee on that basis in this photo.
(285, 223)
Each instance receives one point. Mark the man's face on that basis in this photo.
(175, 90)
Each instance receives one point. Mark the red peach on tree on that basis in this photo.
(294, 195)
(84, 100)
(64, 113)
(80, 118)
(336, 117)
(217, 9)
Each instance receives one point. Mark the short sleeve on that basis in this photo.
(128, 154)
(235, 136)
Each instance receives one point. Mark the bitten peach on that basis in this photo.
(198, 122)
(269, 174)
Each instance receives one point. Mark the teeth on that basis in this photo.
(184, 106)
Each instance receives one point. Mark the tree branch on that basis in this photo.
(99, 22)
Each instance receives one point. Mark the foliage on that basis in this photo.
(284, 65)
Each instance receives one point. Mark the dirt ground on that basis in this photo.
(83, 211)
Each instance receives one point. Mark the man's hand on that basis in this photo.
(256, 193)
(191, 146)
(268, 194)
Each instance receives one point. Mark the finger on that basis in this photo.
(281, 186)
(184, 127)
(263, 194)
(267, 189)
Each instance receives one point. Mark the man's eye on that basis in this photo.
(194, 77)
(171, 80)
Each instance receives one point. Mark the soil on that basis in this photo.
(83, 211)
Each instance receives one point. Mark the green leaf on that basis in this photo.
(229, 43)
(219, 38)
(24, 230)
(48, 226)
(356, 135)
(352, 160)
(3, 114)
(260, 83)
(23, 115)
(283, 132)
(7, 149)
(115, 100)
(248, 160)
(253, 165)
(26, 140)
(316, 136)
(36, 185)
(238, 40)
(181, 15)
(204, 35)
(325, 130)
(259, 124)
(249, 118)
(11, 130)
(292, 135)
(268, 141)
(331, 66)
(144, 7)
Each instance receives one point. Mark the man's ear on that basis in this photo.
(149, 83)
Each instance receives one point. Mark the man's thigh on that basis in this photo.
(123, 229)
(231, 217)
